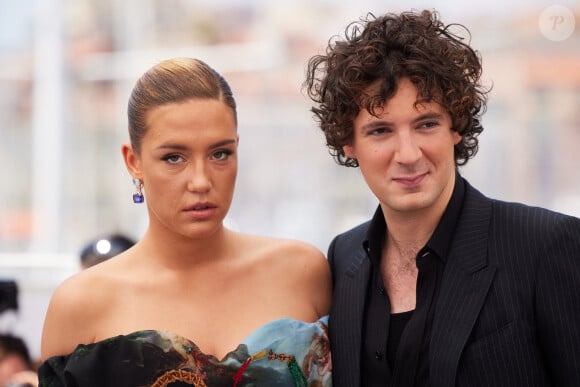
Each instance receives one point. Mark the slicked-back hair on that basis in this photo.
(173, 81)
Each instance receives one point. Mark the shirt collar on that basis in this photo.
(441, 238)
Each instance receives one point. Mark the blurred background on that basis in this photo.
(67, 67)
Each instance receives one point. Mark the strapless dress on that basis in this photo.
(283, 352)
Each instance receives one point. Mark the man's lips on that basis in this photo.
(410, 180)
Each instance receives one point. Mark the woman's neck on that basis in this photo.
(181, 253)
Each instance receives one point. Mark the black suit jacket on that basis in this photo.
(508, 313)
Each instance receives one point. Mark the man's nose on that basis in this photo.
(408, 150)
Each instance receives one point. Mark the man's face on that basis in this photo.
(406, 153)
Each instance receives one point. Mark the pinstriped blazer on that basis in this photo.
(508, 312)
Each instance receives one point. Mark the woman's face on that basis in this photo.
(188, 165)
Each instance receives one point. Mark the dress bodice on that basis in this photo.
(283, 352)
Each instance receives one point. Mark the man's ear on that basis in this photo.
(349, 151)
(456, 137)
(132, 160)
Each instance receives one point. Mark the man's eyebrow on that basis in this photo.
(428, 116)
(382, 122)
(376, 124)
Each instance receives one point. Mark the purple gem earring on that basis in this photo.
(138, 196)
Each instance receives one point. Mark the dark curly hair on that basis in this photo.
(418, 46)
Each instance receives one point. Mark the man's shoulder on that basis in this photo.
(356, 234)
(346, 249)
(348, 243)
(517, 212)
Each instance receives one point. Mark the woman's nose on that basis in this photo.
(199, 180)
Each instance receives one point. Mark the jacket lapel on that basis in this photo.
(346, 318)
(466, 281)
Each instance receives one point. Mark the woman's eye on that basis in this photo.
(221, 155)
(172, 158)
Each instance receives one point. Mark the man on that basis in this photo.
(443, 286)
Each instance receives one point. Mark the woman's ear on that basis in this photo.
(132, 160)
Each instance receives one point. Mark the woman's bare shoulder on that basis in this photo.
(299, 264)
(89, 285)
(76, 291)
(282, 250)
(74, 311)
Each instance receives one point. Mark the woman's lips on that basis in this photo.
(201, 211)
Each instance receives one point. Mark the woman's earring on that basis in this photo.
(138, 196)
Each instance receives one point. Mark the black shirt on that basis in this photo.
(396, 346)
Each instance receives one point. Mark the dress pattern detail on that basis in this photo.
(283, 352)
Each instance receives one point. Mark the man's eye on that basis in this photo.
(429, 124)
(377, 131)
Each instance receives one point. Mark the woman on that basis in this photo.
(192, 303)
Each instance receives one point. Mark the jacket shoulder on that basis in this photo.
(519, 220)
(346, 252)
(352, 238)
(519, 214)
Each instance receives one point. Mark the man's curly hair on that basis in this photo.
(382, 50)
